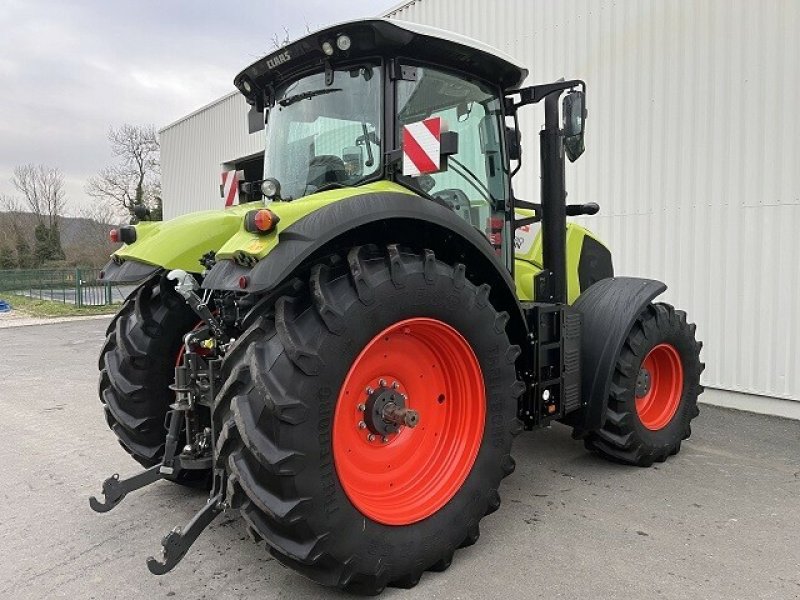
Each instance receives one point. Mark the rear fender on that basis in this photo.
(609, 309)
(380, 218)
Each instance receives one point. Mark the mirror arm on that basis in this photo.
(524, 204)
(535, 93)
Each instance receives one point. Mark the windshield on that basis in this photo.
(323, 136)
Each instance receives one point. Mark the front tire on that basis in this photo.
(302, 469)
(137, 366)
(654, 390)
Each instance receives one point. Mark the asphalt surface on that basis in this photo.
(720, 520)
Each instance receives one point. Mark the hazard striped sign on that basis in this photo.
(230, 187)
(422, 143)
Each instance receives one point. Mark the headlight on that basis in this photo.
(327, 48)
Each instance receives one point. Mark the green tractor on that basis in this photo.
(345, 357)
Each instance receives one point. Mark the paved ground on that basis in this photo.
(720, 520)
(16, 318)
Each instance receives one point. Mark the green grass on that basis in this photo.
(46, 308)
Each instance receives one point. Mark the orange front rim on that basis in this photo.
(398, 474)
(659, 387)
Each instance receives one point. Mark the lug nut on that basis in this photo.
(369, 391)
(362, 407)
(382, 382)
(385, 439)
(371, 437)
(395, 385)
(362, 425)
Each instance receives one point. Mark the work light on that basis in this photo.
(270, 188)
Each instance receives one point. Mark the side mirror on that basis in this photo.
(513, 143)
(255, 119)
(573, 111)
(353, 159)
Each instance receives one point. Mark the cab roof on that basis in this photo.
(382, 37)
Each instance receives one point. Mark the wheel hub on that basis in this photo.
(385, 410)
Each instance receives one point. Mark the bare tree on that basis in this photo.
(278, 43)
(136, 178)
(12, 220)
(13, 231)
(42, 190)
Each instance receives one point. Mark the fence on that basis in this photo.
(80, 286)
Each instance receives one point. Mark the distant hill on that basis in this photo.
(85, 241)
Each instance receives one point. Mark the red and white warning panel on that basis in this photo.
(422, 146)
(230, 187)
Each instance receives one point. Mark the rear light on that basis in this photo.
(127, 234)
(244, 281)
(495, 233)
(260, 221)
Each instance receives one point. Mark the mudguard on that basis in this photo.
(382, 217)
(401, 217)
(609, 309)
(129, 271)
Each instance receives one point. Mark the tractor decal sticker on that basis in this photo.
(421, 146)
(524, 236)
(279, 59)
(230, 187)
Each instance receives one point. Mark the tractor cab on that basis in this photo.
(386, 100)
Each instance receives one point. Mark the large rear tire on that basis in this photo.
(342, 508)
(654, 390)
(137, 366)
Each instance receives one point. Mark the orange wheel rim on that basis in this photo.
(406, 474)
(659, 387)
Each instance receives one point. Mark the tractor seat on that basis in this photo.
(325, 169)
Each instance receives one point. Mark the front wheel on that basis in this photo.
(367, 423)
(654, 390)
(137, 366)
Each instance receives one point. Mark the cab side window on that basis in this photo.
(475, 182)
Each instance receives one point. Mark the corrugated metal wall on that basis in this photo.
(194, 148)
(692, 154)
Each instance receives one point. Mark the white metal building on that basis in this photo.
(691, 154)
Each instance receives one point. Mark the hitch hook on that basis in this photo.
(115, 489)
(177, 542)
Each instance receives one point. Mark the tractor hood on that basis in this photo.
(369, 38)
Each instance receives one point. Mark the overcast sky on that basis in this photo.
(70, 70)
